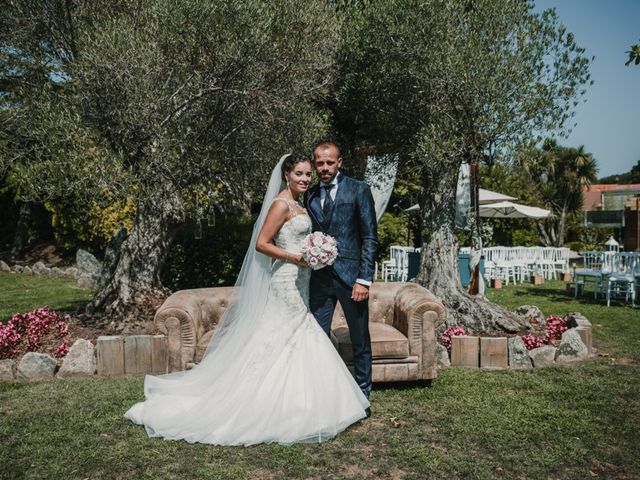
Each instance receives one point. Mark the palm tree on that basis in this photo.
(559, 173)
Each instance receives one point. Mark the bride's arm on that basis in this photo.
(276, 217)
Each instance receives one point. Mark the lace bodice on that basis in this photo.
(294, 230)
(290, 282)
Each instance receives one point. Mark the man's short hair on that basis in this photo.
(325, 144)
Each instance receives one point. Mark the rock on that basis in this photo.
(7, 369)
(543, 356)
(40, 268)
(80, 361)
(518, 354)
(531, 313)
(57, 272)
(36, 365)
(571, 348)
(576, 319)
(87, 263)
(89, 269)
(27, 271)
(442, 356)
(86, 281)
(18, 268)
(4, 267)
(72, 272)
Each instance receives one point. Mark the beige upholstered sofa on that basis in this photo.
(403, 318)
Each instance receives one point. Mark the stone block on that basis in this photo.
(36, 366)
(442, 356)
(537, 279)
(518, 354)
(496, 283)
(465, 351)
(159, 354)
(543, 356)
(137, 354)
(576, 319)
(7, 369)
(110, 350)
(571, 348)
(493, 353)
(585, 335)
(532, 313)
(80, 361)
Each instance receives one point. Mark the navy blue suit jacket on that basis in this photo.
(352, 222)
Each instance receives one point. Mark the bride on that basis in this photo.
(270, 373)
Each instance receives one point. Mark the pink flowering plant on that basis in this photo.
(445, 338)
(555, 327)
(532, 342)
(28, 332)
(319, 250)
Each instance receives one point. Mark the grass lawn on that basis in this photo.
(21, 293)
(580, 422)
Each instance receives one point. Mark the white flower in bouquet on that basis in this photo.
(319, 250)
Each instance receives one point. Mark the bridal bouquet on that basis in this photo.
(319, 250)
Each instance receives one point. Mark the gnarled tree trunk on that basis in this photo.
(129, 287)
(439, 259)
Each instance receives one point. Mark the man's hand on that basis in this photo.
(360, 292)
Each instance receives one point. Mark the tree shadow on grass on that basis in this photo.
(559, 296)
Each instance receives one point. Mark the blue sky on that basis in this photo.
(609, 121)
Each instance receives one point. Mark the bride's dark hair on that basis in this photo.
(291, 161)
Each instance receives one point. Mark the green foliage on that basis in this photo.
(557, 175)
(525, 237)
(632, 176)
(634, 55)
(212, 261)
(392, 230)
(76, 226)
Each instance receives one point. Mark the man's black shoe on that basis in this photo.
(367, 412)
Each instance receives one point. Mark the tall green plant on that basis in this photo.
(156, 97)
(445, 82)
(558, 174)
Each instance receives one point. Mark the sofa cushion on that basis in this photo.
(386, 342)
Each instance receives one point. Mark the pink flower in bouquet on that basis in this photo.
(319, 250)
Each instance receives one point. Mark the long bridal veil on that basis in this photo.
(170, 397)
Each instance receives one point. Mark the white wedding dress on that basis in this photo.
(286, 383)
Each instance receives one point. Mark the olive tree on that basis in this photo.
(157, 98)
(445, 82)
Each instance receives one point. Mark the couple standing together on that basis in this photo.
(271, 373)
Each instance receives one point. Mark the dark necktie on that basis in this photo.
(328, 201)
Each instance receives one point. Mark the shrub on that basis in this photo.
(212, 261)
(392, 230)
(76, 225)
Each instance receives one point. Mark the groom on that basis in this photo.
(343, 207)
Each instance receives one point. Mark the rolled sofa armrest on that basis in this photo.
(179, 319)
(418, 314)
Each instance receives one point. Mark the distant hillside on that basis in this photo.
(632, 176)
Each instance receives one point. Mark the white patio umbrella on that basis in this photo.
(487, 196)
(484, 197)
(512, 210)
